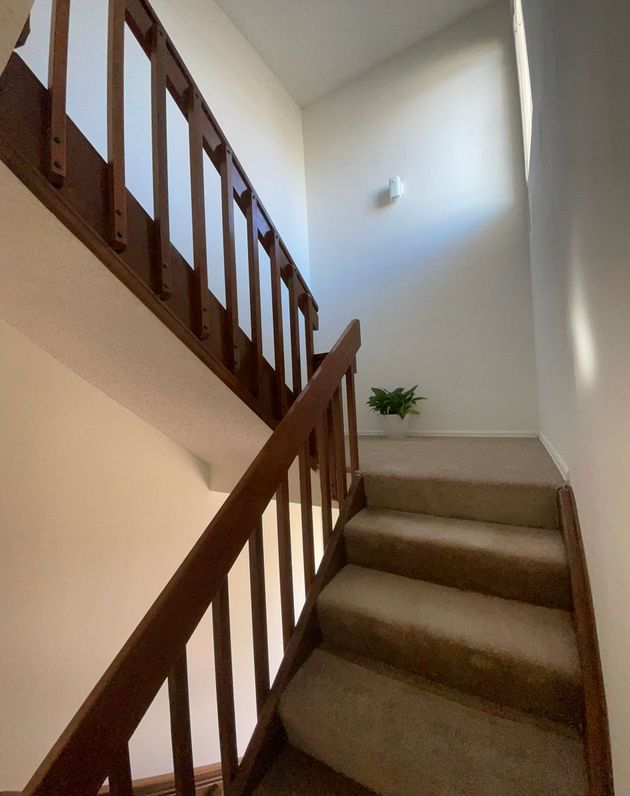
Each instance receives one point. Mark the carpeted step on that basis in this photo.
(401, 735)
(294, 773)
(530, 504)
(518, 563)
(516, 654)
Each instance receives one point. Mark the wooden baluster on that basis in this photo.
(224, 682)
(309, 326)
(307, 310)
(116, 124)
(353, 440)
(120, 782)
(278, 332)
(24, 33)
(198, 205)
(229, 258)
(57, 88)
(284, 560)
(161, 278)
(340, 447)
(254, 290)
(181, 737)
(323, 455)
(332, 452)
(294, 327)
(259, 614)
(306, 505)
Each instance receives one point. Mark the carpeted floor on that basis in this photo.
(504, 460)
(449, 663)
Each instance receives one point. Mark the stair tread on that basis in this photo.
(510, 502)
(400, 734)
(541, 635)
(514, 653)
(537, 544)
(516, 562)
(294, 773)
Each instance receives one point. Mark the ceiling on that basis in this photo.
(313, 46)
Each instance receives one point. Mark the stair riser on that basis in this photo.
(517, 684)
(511, 504)
(539, 583)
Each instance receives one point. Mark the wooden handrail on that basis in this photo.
(94, 745)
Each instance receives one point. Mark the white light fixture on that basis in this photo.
(396, 188)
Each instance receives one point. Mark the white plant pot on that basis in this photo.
(396, 427)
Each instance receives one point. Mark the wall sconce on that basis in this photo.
(396, 188)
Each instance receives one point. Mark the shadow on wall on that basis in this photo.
(439, 278)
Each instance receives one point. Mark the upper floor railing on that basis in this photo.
(43, 146)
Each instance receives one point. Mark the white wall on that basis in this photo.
(13, 14)
(440, 280)
(580, 200)
(97, 509)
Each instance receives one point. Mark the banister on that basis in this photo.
(141, 19)
(52, 156)
(92, 743)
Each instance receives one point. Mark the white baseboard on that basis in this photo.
(557, 459)
(520, 434)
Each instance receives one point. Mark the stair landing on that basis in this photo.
(515, 460)
(490, 479)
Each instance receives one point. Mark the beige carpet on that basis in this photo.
(502, 480)
(508, 460)
(449, 663)
(401, 736)
(294, 773)
(520, 563)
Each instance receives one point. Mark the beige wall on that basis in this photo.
(440, 280)
(580, 242)
(13, 14)
(97, 509)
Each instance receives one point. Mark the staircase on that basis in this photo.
(448, 661)
(447, 644)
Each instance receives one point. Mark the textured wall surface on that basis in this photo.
(580, 239)
(440, 279)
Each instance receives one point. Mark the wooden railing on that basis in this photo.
(40, 143)
(95, 744)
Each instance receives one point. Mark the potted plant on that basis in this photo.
(395, 407)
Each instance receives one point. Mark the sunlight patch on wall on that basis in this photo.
(582, 338)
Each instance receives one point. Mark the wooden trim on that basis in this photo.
(198, 207)
(306, 502)
(181, 733)
(208, 782)
(596, 734)
(116, 124)
(161, 275)
(224, 680)
(226, 171)
(251, 216)
(351, 402)
(259, 614)
(285, 564)
(22, 39)
(264, 741)
(323, 454)
(120, 783)
(57, 89)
